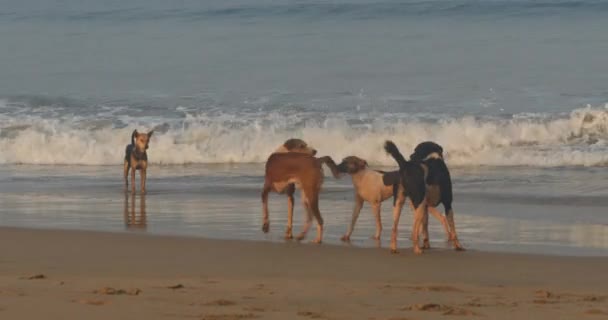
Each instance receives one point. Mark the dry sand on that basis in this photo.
(90, 275)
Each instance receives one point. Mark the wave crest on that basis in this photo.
(576, 139)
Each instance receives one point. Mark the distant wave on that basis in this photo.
(135, 10)
(579, 138)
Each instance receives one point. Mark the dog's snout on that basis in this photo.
(314, 152)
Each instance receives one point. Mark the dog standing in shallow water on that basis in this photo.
(427, 183)
(294, 164)
(438, 188)
(374, 187)
(298, 146)
(371, 186)
(137, 159)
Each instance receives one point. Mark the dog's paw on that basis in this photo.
(301, 236)
(426, 245)
(345, 238)
(417, 250)
(316, 241)
(266, 227)
(394, 251)
(288, 236)
(374, 237)
(458, 247)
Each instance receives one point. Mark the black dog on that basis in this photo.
(426, 181)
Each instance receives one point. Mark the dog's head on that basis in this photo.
(427, 150)
(296, 145)
(352, 165)
(142, 140)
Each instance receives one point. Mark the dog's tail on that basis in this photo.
(330, 164)
(392, 149)
(133, 137)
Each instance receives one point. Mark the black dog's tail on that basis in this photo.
(331, 165)
(392, 149)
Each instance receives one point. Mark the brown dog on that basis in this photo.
(137, 159)
(298, 146)
(285, 171)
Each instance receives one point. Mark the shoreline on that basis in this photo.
(366, 243)
(269, 280)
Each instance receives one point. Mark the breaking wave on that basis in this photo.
(579, 138)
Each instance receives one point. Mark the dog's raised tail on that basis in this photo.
(331, 165)
(392, 149)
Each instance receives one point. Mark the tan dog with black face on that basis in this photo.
(371, 186)
(137, 159)
(293, 164)
(374, 187)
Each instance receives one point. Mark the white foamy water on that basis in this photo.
(578, 138)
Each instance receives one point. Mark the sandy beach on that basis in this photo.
(93, 275)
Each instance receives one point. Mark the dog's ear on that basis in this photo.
(135, 133)
(150, 134)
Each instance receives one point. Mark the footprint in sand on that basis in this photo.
(177, 286)
(592, 298)
(596, 312)
(445, 309)
(91, 302)
(546, 294)
(231, 316)
(436, 288)
(112, 291)
(310, 314)
(34, 277)
(220, 302)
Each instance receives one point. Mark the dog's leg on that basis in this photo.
(314, 207)
(266, 221)
(290, 202)
(439, 216)
(353, 221)
(126, 171)
(426, 244)
(400, 201)
(133, 180)
(455, 242)
(418, 225)
(424, 228)
(307, 217)
(376, 208)
(142, 176)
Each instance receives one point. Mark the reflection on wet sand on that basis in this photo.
(134, 221)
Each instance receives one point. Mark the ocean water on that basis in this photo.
(515, 91)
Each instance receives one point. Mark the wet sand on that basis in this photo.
(93, 275)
